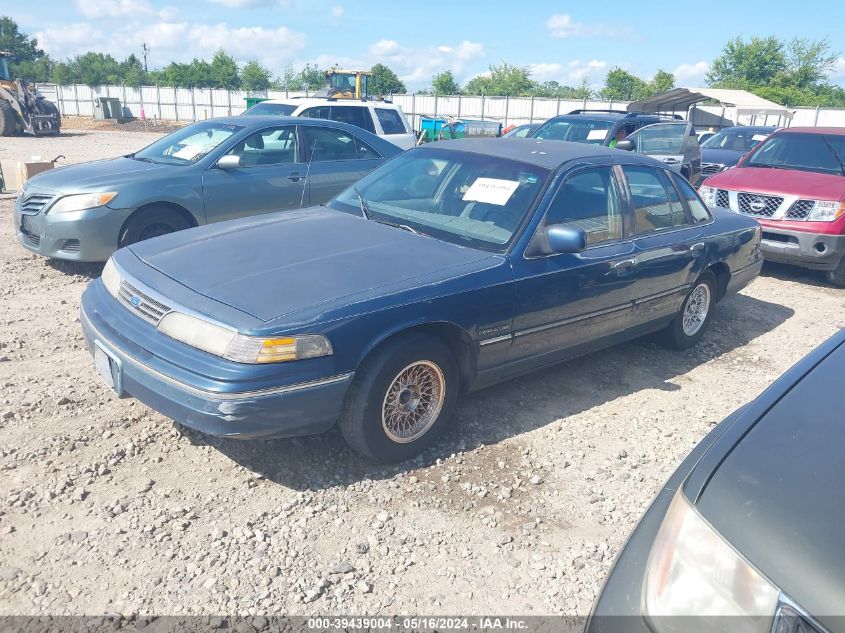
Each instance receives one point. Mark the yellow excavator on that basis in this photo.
(347, 84)
(22, 109)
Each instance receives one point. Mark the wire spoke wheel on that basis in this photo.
(413, 402)
(696, 309)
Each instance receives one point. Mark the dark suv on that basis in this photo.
(597, 127)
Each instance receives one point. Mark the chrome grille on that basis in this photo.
(800, 209)
(708, 169)
(34, 203)
(722, 199)
(757, 205)
(147, 308)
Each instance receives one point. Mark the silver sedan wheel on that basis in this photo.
(696, 309)
(413, 402)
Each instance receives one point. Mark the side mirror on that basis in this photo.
(563, 238)
(626, 145)
(229, 161)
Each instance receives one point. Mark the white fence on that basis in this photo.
(194, 104)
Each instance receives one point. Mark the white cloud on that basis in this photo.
(568, 74)
(416, 66)
(838, 71)
(177, 41)
(337, 11)
(562, 26)
(242, 4)
(112, 8)
(691, 74)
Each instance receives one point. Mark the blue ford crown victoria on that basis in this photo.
(450, 268)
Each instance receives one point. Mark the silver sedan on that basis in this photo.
(206, 172)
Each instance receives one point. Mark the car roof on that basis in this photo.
(311, 101)
(750, 128)
(609, 116)
(839, 131)
(548, 154)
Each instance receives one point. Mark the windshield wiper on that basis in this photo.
(835, 155)
(365, 211)
(140, 158)
(398, 225)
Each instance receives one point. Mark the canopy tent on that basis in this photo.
(681, 99)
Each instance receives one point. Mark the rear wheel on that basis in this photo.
(688, 326)
(8, 120)
(837, 275)
(401, 400)
(151, 222)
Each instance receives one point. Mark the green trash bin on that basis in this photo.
(251, 101)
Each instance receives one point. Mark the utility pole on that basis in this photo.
(145, 50)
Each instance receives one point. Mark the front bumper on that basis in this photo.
(85, 236)
(818, 251)
(300, 408)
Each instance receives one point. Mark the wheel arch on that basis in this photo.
(455, 337)
(722, 272)
(176, 208)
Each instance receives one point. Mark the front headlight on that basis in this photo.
(111, 278)
(227, 343)
(708, 194)
(693, 571)
(82, 201)
(826, 211)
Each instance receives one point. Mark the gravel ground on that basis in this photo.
(111, 508)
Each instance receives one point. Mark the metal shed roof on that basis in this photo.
(680, 99)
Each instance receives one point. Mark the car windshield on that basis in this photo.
(188, 145)
(278, 109)
(660, 138)
(460, 197)
(739, 140)
(821, 153)
(576, 129)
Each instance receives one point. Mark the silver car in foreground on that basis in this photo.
(206, 172)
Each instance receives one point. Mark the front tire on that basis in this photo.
(401, 400)
(151, 222)
(837, 275)
(688, 326)
(8, 119)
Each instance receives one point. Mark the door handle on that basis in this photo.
(295, 177)
(625, 266)
(697, 249)
(671, 161)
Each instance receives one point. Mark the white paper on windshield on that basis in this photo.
(596, 135)
(758, 137)
(190, 152)
(491, 191)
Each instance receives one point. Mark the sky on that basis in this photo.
(562, 41)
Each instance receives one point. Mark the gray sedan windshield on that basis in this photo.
(188, 145)
(459, 197)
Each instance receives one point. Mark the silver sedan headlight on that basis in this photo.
(82, 201)
(227, 343)
(693, 571)
(708, 194)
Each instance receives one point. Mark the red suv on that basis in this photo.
(793, 183)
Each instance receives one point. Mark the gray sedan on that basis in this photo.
(206, 172)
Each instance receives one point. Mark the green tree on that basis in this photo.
(96, 69)
(504, 80)
(746, 65)
(254, 76)
(384, 81)
(661, 82)
(444, 84)
(224, 71)
(132, 71)
(22, 47)
(554, 89)
(309, 78)
(39, 70)
(620, 85)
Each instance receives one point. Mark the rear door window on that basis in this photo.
(327, 143)
(353, 115)
(391, 121)
(653, 209)
(317, 112)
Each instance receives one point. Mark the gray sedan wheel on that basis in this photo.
(151, 222)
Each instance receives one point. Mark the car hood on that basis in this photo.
(721, 156)
(804, 184)
(99, 174)
(776, 496)
(276, 265)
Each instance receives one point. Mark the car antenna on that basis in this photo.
(308, 172)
